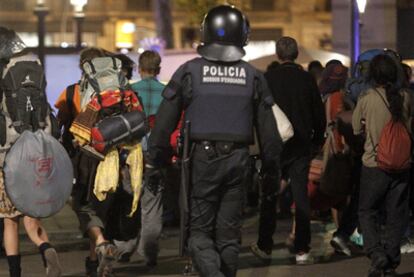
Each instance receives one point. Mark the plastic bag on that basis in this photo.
(38, 174)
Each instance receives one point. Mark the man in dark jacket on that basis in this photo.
(296, 93)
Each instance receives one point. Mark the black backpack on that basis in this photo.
(24, 92)
(23, 98)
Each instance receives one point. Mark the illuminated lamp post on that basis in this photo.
(357, 8)
(41, 11)
(79, 17)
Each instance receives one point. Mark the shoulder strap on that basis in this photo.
(70, 92)
(328, 110)
(383, 99)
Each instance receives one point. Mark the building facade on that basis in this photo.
(384, 24)
(114, 24)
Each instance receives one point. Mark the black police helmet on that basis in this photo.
(224, 33)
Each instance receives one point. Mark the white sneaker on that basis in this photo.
(407, 247)
(304, 258)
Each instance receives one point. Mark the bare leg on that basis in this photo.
(35, 230)
(105, 252)
(95, 233)
(38, 235)
(11, 236)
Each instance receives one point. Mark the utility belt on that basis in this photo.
(215, 149)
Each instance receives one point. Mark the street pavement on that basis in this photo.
(73, 250)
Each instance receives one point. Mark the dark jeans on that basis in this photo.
(216, 205)
(267, 220)
(380, 190)
(349, 219)
(119, 225)
(297, 170)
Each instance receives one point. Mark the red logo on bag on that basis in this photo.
(43, 167)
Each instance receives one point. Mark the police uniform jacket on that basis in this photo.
(223, 101)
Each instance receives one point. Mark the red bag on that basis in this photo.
(394, 146)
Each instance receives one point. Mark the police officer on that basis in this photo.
(224, 98)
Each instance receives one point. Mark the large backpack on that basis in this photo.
(114, 115)
(394, 146)
(23, 97)
(23, 104)
(105, 73)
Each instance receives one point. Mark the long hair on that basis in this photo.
(383, 72)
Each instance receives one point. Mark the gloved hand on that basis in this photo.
(153, 179)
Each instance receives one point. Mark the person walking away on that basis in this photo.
(12, 52)
(383, 113)
(121, 228)
(407, 244)
(69, 104)
(99, 137)
(149, 90)
(296, 93)
(332, 89)
(223, 98)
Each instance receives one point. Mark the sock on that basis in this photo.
(42, 248)
(14, 265)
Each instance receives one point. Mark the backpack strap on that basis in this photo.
(114, 63)
(383, 99)
(70, 92)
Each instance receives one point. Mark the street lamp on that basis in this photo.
(357, 8)
(361, 5)
(79, 16)
(41, 11)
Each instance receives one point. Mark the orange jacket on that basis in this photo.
(61, 104)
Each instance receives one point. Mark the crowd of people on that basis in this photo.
(344, 168)
(350, 153)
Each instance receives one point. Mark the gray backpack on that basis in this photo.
(105, 74)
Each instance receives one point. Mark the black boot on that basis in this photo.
(14, 265)
(91, 267)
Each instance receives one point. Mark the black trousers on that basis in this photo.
(297, 170)
(380, 190)
(119, 225)
(349, 219)
(216, 205)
